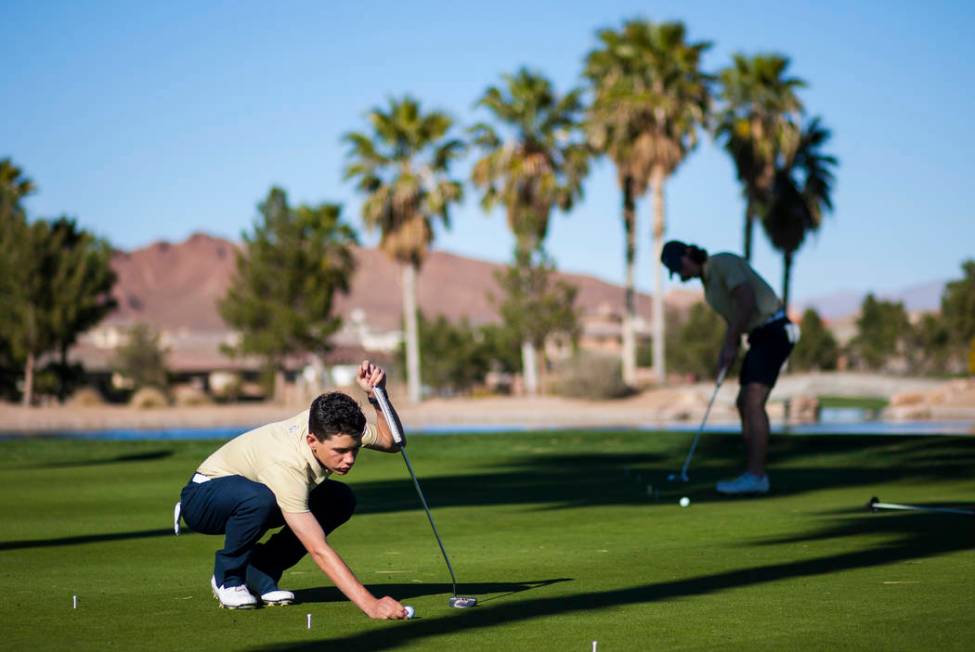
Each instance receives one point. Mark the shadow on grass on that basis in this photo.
(147, 456)
(404, 592)
(84, 539)
(913, 536)
(562, 481)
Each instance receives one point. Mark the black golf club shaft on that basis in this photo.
(697, 436)
(394, 427)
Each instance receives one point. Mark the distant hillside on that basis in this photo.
(177, 286)
(921, 297)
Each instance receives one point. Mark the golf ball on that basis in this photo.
(409, 611)
(685, 501)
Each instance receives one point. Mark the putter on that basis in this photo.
(682, 476)
(874, 505)
(395, 427)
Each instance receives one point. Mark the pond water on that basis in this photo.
(833, 421)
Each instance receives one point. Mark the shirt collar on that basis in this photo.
(318, 471)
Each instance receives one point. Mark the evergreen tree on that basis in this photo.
(695, 344)
(141, 360)
(292, 264)
(882, 329)
(81, 290)
(817, 349)
(533, 305)
(958, 310)
(456, 356)
(930, 349)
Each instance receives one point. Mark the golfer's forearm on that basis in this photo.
(745, 306)
(341, 575)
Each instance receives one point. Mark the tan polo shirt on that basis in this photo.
(277, 455)
(722, 274)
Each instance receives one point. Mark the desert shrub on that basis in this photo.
(86, 397)
(189, 396)
(591, 376)
(148, 398)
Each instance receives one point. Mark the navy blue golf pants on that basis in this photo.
(243, 511)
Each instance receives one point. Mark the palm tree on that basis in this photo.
(402, 168)
(801, 192)
(650, 98)
(757, 125)
(536, 165)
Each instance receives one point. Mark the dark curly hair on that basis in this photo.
(335, 413)
(698, 254)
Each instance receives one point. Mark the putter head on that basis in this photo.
(462, 601)
(678, 477)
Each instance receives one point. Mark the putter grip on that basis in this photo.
(387, 411)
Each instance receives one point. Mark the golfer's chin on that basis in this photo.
(341, 470)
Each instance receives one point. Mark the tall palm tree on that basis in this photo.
(650, 98)
(402, 167)
(801, 192)
(536, 163)
(758, 125)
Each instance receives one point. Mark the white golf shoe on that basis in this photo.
(233, 597)
(277, 598)
(745, 484)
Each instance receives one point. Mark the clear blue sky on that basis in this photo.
(151, 121)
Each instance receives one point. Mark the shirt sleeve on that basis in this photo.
(370, 435)
(290, 487)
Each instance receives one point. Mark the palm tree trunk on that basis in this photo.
(412, 332)
(529, 367)
(749, 230)
(28, 398)
(62, 389)
(786, 278)
(659, 225)
(629, 314)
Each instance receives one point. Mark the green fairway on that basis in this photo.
(556, 533)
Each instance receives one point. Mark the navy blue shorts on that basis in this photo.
(769, 347)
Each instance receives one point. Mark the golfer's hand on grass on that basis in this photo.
(386, 608)
(370, 376)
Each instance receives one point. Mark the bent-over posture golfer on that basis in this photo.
(278, 475)
(748, 305)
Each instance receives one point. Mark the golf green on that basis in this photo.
(566, 538)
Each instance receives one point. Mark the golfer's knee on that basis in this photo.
(752, 399)
(259, 502)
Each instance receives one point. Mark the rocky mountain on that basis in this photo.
(177, 286)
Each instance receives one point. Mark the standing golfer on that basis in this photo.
(278, 475)
(748, 305)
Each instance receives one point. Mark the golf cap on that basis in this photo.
(671, 256)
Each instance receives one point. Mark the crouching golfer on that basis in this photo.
(278, 475)
(748, 305)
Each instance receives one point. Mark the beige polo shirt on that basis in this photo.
(278, 456)
(722, 274)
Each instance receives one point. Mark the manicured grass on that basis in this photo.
(555, 532)
(864, 402)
